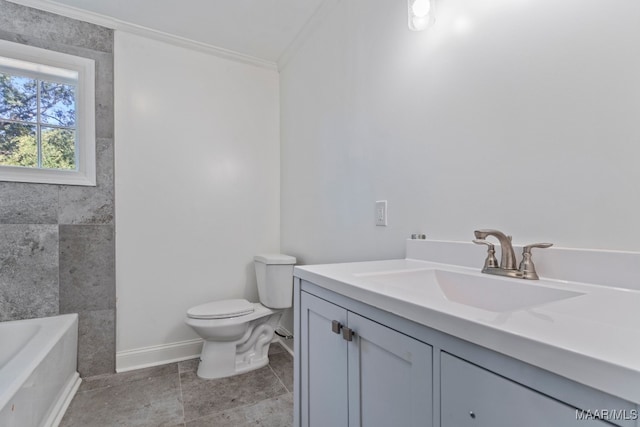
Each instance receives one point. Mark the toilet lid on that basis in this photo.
(221, 309)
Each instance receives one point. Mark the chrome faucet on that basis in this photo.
(507, 266)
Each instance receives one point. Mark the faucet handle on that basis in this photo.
(483, 242)
(527, 267)
(527, 249)
(491, 261)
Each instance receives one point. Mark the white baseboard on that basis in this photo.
(286, 344)
(145, 357)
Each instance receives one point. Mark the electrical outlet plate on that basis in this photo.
(381, 213)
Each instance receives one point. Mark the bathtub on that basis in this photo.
(38, 377)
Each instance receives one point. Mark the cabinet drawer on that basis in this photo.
(472, 396)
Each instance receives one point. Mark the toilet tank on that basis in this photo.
(274, 273)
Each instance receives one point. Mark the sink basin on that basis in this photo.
(490, 293)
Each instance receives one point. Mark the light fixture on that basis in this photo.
(420, 14)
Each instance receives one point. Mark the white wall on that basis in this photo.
(197, 185)
(519, 115)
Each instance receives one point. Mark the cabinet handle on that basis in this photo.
(347, 333)
(336, 326)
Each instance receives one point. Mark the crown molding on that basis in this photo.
(119, 25)
(321, 13)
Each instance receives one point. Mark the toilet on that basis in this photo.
(236, 332)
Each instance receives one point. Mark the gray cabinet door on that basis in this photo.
(390, 377)
(472, 396)
(323, 364)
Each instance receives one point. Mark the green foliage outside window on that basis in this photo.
(37, 123)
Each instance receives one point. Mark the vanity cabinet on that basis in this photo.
(357, 365)
(356, 372)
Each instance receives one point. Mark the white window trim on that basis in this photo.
(85, 118)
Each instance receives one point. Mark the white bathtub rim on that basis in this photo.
(34, 348)
(64, 400)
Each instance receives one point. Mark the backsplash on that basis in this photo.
(57, 251)
(602, 267)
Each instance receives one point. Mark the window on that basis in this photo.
(47, 116)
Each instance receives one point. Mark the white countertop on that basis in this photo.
(593, 338)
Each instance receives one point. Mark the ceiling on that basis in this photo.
(259, 28)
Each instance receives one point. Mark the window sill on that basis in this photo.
(47, 176)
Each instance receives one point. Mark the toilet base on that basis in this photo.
(221, 359)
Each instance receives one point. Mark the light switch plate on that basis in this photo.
(381, 213)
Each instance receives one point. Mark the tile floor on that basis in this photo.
(173, 396)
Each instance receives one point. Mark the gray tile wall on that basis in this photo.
(57, 252)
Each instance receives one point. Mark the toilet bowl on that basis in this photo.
(236, 332)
